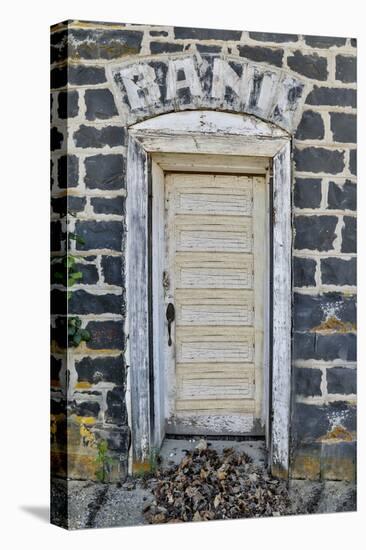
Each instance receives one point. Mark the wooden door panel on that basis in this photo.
(225, 195)
(213, 366)
(213, 270)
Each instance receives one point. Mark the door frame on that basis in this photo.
(176, 141)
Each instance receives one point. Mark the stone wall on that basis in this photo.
(88, 138)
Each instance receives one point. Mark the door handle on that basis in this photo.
(170, 315)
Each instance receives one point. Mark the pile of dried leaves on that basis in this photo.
(206, 486)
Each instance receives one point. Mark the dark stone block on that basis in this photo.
(349, 235)
(58, 77)
(312, 422)
(116, 412)
(59, 331)
(57, 236)
(273, 37)
(318, 159)
(159, 33)
(81, 75)
(58, 406)
(103, 44)
(342, 97)
(106, 335)
(68, 171)
(100, 234)
(346, 68)
(311, 126)
(310, 312)
(57, 139)
(100, 104)
(315, 232)
(84, 303)
(305, 462)
(206, 34)
(343, 127)
(55, 366)
(342, 380)
(59, 43)
(105, 172)
(101, 205)
(342, 197)
(310, 65)
(208, 48)
(307, 192)
(165, 47)
(90, 273)
(52, 181)
(88, 136)
(307, 381)
(59, 302)
(76, 204)
(61, 205)
(68, 104)
(338, 463)
(325, 347)
(324, 41)
(353, 161)
(85, 408)
(259, 53)
(113, 270)
(57, 273)
(304, 272)
(335, 271)
(119, 440)
(101, 369)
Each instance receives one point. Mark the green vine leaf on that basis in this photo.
(68, 275)
(77, 238)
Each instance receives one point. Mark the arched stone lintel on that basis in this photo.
(151, 86)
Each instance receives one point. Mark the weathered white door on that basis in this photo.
(214, 277)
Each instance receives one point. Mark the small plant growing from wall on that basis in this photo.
(103, 461)
(68, 275)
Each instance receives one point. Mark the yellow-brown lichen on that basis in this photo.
(83, 419)
(82, 385)
(87, 437)
(306, 467)
(338, 433)
(332, 324)
(140, 468)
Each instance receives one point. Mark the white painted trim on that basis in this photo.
(261, 284)
(137, 299)
(143, 140)
(209, 122)
(185, 162)
(281, 362)
(158, 302)
(209, 144)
